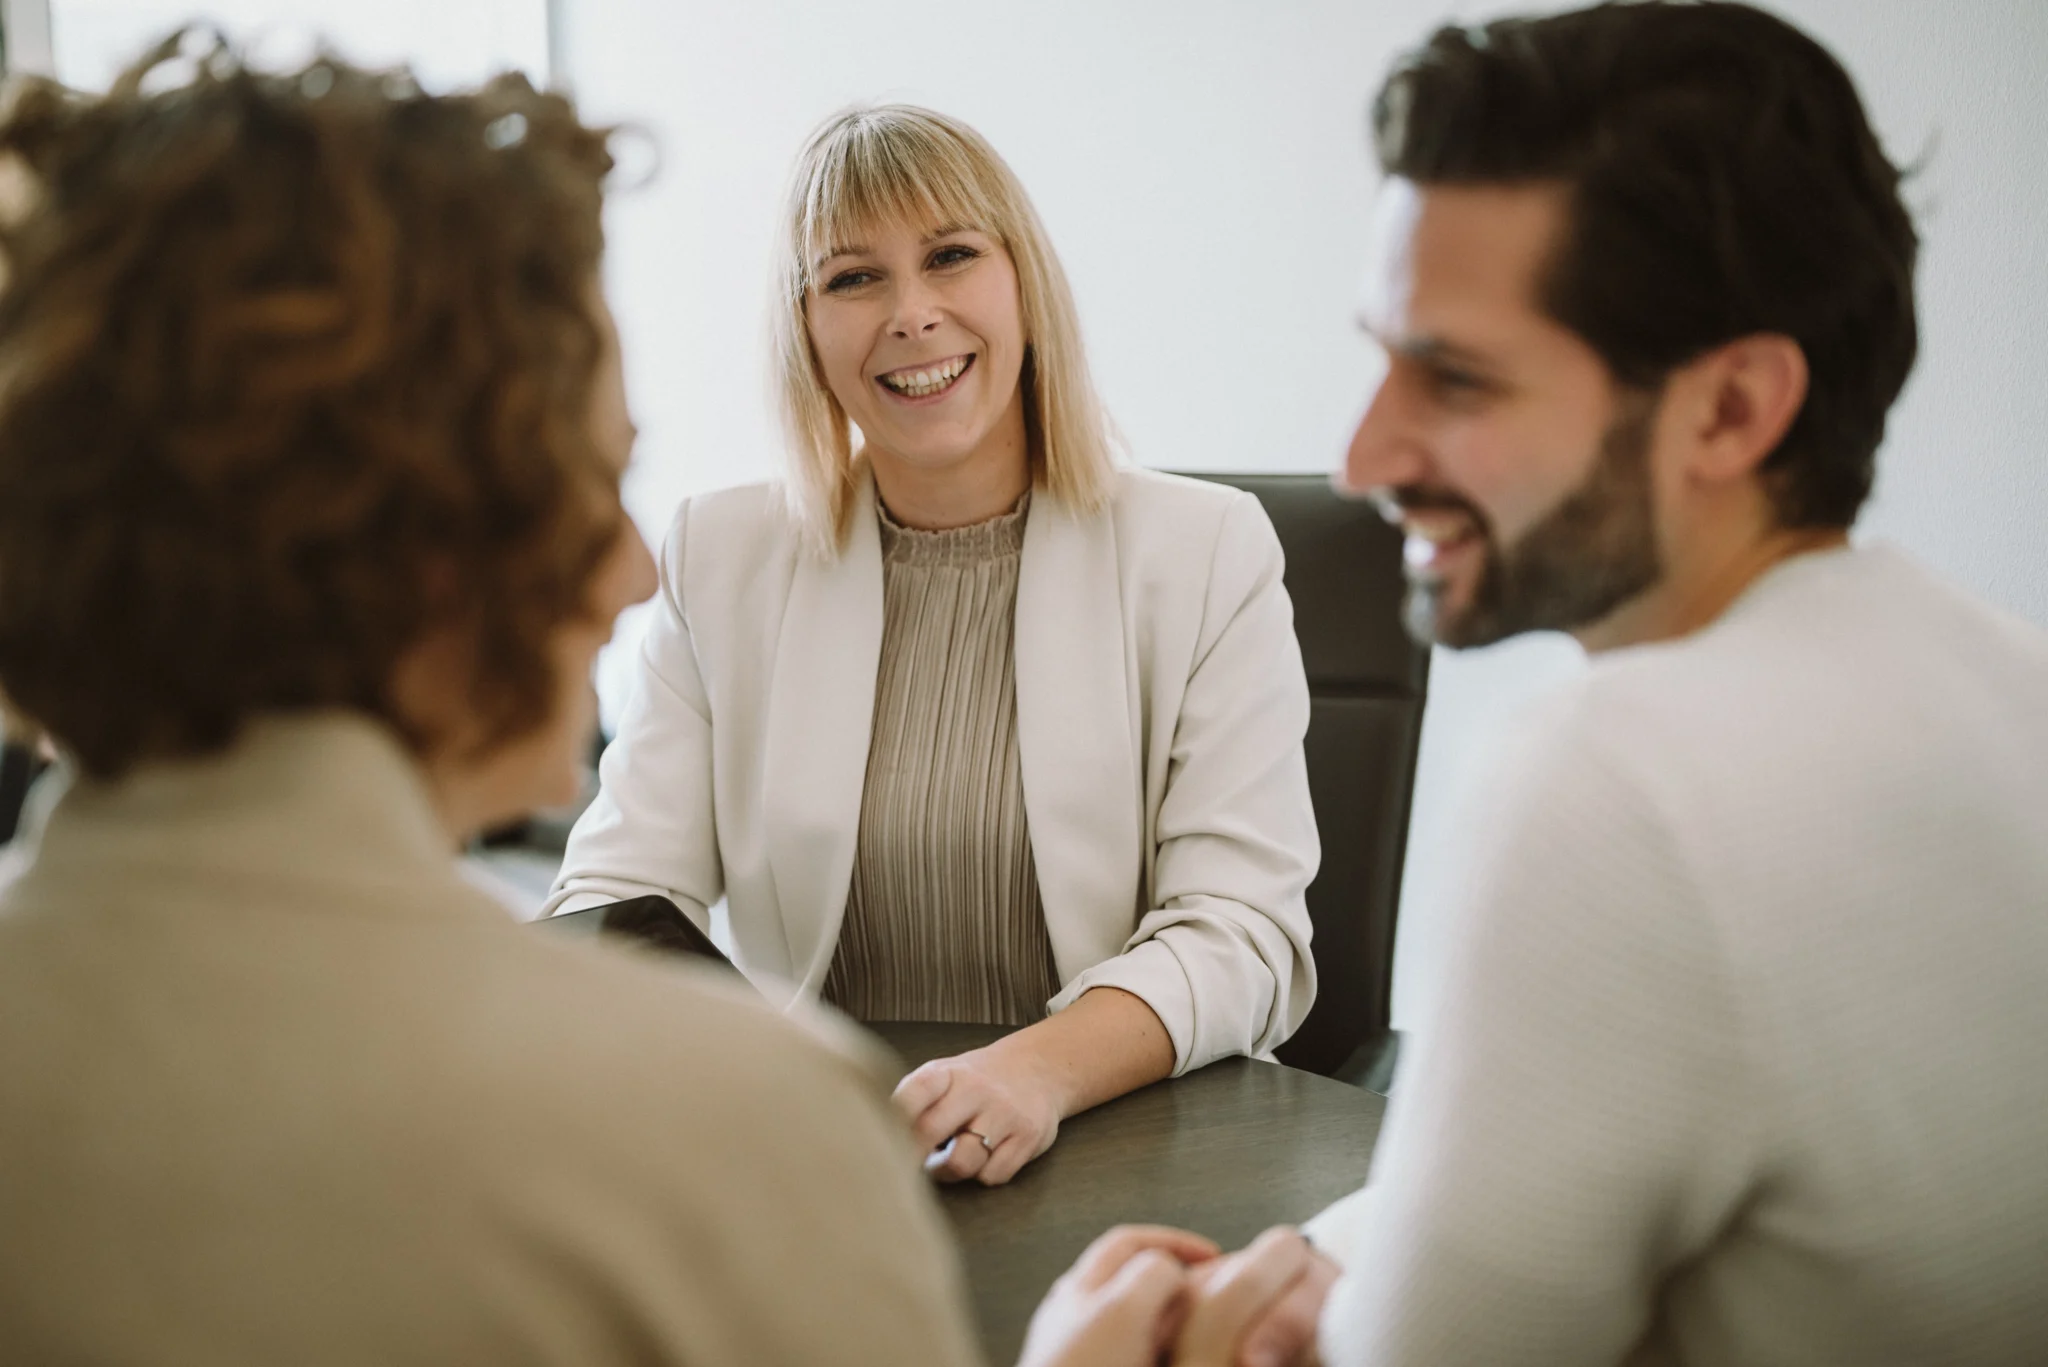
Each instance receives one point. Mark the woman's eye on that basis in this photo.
(953, 255)
(848, 280)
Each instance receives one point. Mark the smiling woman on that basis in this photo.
(963, 721)
(902, 221)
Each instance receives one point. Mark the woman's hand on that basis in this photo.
(1121, 1304)
(987, 1113)
(983, 1114)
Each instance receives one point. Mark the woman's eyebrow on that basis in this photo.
(851, 249)
(862, 249)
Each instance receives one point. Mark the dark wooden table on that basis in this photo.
(1225, 1151)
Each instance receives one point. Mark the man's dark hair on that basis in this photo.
(1724, 181)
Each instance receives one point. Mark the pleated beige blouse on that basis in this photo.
(943, 918)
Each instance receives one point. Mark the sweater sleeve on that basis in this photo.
(1574, 1121)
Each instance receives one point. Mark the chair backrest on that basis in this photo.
(1366, 683)
(18, 765)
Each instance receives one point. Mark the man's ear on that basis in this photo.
(1747, 393)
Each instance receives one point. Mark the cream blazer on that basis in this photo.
(278, 1086)
(1161, 707)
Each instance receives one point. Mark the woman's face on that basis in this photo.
(921, 338)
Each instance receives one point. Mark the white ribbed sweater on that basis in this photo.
(1744, 1054)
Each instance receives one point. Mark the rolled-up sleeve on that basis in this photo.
(1223, 955)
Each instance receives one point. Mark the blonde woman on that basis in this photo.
(962, 720)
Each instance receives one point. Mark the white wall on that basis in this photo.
(1202, 167)
(447, 43)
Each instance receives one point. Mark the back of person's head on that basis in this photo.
(295, 369)
(873, 166)
(1724, 181)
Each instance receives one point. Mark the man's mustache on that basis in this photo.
(1395, 502)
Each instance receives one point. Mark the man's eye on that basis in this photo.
(1457, 384)
(848, 280)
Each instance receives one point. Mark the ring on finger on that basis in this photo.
(986, 1142)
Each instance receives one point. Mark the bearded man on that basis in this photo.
(1739, 1058)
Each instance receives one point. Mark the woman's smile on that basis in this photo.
(927, 382)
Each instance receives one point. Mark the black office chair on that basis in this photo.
(1366, 683)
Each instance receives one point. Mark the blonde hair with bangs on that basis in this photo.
(898, 163)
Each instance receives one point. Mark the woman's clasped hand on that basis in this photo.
(1146, 1295)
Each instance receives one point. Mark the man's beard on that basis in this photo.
(1595, 552)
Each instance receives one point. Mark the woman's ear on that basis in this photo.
(432, 682)
(1749, 392)
(432, 689)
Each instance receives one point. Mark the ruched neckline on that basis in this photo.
(994, 539)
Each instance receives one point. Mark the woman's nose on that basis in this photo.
(917, 311)
(630, 575)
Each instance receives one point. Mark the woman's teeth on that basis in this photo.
(918, 384)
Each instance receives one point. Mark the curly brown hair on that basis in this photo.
(294, 369)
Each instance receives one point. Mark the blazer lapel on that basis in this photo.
(1076, 734)
(821, 708)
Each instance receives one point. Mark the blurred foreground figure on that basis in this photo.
(311, 431)
(1738, 1058)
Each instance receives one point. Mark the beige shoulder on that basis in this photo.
(758, 1154)
(676, 1003)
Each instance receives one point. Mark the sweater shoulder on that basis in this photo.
(1835, 641)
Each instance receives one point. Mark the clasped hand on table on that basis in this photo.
(1140, 1294)
(1144, 1295)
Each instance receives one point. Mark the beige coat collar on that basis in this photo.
(331, 797)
